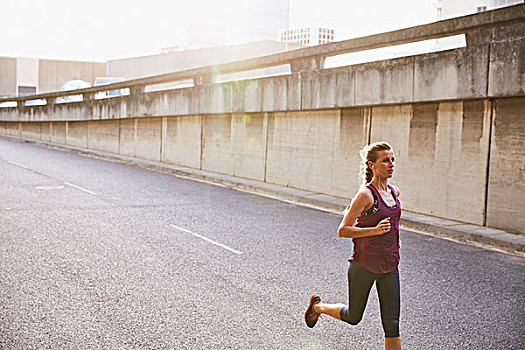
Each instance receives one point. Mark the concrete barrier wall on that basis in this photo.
(442, 154)
(31, 130)
(12, 129)
(128, 137)
(454, 118)
(317, 150)
(182, 140)
(491, 65)
(506, 188)
(301, 149)
(249, 145)
(442, 150)
(445, 75)
(46, 131)
(77, 134)
(149, 138)
(461, 74)
(235, 144)
(507, 57)
(217, 146)
(353, 134)
(103, 135)
(57, 132)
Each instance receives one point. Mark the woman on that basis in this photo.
(376, 247)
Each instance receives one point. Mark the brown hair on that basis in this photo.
(369, 154)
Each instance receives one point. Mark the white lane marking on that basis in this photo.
(208, 240)
(18, 165)
(49, 188)
(80, 188)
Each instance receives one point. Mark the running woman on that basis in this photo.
(377, 210)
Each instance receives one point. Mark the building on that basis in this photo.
(453, 8)
(22, 76)
(249, 21)
(28, 76)
(265, 19)
(307, 36)
(254, 23)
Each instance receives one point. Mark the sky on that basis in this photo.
(98, 30)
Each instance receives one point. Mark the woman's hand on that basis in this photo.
(383, 226)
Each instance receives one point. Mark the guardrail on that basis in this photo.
(310, 58)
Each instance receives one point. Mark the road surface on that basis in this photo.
(98, 254)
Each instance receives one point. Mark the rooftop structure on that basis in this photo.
(307, 36)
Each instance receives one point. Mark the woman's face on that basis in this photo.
(384, 165)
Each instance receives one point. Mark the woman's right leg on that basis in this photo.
(360, 282)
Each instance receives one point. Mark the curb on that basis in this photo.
(485, 237)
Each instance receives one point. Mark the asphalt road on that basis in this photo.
(98, 254)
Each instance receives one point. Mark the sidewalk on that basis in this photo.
(473, 234)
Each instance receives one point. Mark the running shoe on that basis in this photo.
(310, 316)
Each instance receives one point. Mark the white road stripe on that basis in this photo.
(208, 240)
(80, 188)
(18, 165)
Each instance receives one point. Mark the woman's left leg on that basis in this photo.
(389, 300)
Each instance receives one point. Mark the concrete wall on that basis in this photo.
(249, 145)
(182, 140)
(217, 147)
(442, 153)
(492, 65)
(454, 118)
(31, 130)
(53, 73)
(128, 137)
(301, 149)
(77, 134)
(149, 138)
(27, 72)
(461, 75)
(235, 144)
(506, 188)
(8, 76)
(442, 150)
(46, 131)
(103, 135)
(507, 62)
(58, 132)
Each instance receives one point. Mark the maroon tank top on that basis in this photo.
(379, 254)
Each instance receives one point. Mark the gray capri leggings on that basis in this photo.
(360, 282)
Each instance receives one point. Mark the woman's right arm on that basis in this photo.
(359, 203)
